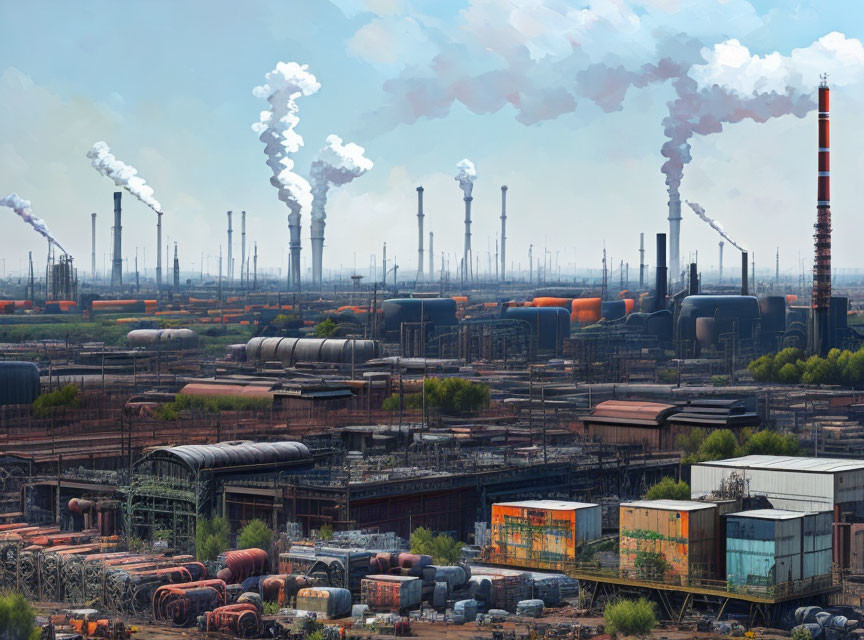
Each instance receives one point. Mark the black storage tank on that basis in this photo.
(19, 382)
(440, 312)
(549, 325)
(739, 312)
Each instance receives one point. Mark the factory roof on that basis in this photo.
(553, 505)
(670, 505)
(631, 412)
(789, 463)
(770, 514)
(237, 453)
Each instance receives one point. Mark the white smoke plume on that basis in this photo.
(22, 208)
(466, 176)
(277, 130)
(335, 165)
(122, 174)
(699, 211)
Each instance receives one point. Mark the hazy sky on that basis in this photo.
(551, 97)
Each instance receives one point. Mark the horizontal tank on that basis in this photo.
(549, 325)
(290, 351)
(586, 310)
(440, 312)
(19, 382)
(739, 313)
(178, 338)
(557, 292)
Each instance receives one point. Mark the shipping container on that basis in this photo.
(797, 484)
(668, 540)
(391, 593)
(543, 533)
(330, 602)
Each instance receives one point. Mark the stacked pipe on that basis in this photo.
(243, 563)
(240, 620)
(181, 604)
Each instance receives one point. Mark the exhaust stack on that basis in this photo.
(744, 283)
(822, 236)
(93, 247)
(674, 235)
(694, 280)
(661, 275)
(641, 260)
(503, 230)
(243, 279)
(466, 260)
(117, 263)
(419, 234)
(229, 264)
(176, 269)
(720, 265)
(431, 256)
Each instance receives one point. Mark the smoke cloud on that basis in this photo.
(277, 130)
(335, 165)
(699, 211)
(122, 174)
(22, 208)
(466, 176)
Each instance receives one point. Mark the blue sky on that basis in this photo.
(169, 86)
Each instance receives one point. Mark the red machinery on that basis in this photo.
(241, 620)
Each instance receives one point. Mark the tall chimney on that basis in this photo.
(229, 264)
(660, 277)
(117, 264)
(466, 262)
(431, 256)
(720, 265)
(777, 268)
(822, 236)
(530, 263)
(694, 280)
(503, 231)
(419, 234)
(255, 270)
(641, 260)
(159, 251)
(674, 234)
(176, 269)
(93, 247)
(744, 267)
(243, 248)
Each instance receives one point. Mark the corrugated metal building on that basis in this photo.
(628, 422)
(668, 540)
(543, 533)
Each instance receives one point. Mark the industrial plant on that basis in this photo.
(481, 443)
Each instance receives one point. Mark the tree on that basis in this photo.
(630, 617)
(325, 329)
(456, 396)
(442, 547)
(668, 489)
(325, 531)
(17, 618)
(770, 443)
(255, 535)
(718, 445)
(212, 537)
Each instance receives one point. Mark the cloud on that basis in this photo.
(397, 40)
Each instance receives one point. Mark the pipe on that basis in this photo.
(674, 235)
(720, 265)
(316, 229)
(503, 231)
(229, 265)
(242, 247)
(93, 247)
(294, 267)
(661, 275)
(431, 256)
(255, 270)
(117, 263)
(466, 264)
(744, 267)
(420, 234)
(694, 280)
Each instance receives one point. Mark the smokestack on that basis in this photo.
(503, 230)
(255, 270)
(467, 252)
(243, 248)
(229, 265)
(660, 277)
(744, 266)
(720, 265)
(641, 260)
(93, 246)
(176, 269)
(777, 268)
(674, 234)
(694, 280)
(117, 264)
(822, 237)
(158, 250)
(431, 256)
(420, 234)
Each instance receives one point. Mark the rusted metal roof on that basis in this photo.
(631, 411)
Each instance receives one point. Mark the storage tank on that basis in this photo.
(668, 540)
(543, 533)
(706, 331)
(19, 382)
(550, 301)
(391, 593)
(659, 324)
(613, 309)
(586, 310)
(290, 351)
(330, 602)
(549, 325)
(440, 312)
(739, 312)
(166, 338)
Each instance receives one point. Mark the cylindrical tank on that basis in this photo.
(440, 312)
(738, 313)
(613, 309)
(773, 312)
(585, 310)
(659, 324)
(176, 338)
(290, 351)
(19, 382)
(549, 325)
(253, 349)
(269, 349)
(551, 301)
(705, 331)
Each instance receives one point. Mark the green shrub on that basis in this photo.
(443, 548)
(667, 376)
(719, 381)
(212, 537)
(211, 404)
(325, 531)
(668, 489)
(770, 443)
(792, 366)
(17, 618)
(48, 403)
(449, 396)
(325, 329)
(255, 535)
(630, 617)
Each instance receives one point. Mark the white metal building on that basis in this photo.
(797, 484)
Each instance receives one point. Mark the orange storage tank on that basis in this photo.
(791, 299)
(629, 304)
(585, 310)
(551, 302)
